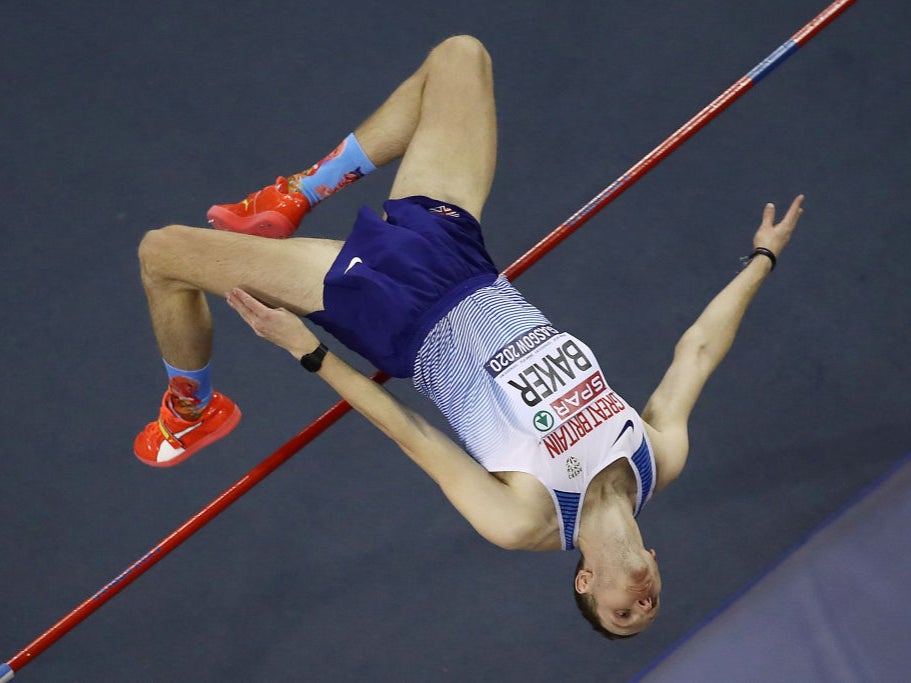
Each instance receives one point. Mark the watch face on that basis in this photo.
(314, 361)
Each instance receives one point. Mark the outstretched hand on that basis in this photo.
(279, 326)
(775, 236)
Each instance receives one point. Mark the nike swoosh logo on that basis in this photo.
(628, 425)
(167, 452)
(189, 429)
(353, 262)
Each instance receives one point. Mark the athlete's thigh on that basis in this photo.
(287, 273)
(452, 155)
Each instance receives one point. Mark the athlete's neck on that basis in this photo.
(607, 527)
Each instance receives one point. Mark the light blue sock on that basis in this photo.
(191, 390)
(341, 167)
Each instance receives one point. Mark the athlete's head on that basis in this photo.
(619, 598)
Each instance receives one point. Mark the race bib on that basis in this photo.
(556, 385)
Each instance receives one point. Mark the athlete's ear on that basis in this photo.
(583, 580)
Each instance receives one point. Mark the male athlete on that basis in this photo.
(551, 457)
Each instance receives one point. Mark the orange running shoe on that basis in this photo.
(270, 212)
(171, 439)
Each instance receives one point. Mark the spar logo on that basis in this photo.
(544, 421)
(579, 396)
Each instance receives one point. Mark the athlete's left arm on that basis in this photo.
(703, 346)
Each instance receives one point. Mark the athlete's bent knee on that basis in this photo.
(155, 248)
(464, 49)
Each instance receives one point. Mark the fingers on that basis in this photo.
(795, 210)
(276, 325)
(238, 297)
(790, 218)
(239, 300)
(250, 309)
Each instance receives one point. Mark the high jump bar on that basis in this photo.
(324, 421)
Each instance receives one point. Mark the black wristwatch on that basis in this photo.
(312, 362)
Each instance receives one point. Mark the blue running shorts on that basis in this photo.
(395, 278)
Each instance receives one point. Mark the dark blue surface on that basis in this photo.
(348, 564)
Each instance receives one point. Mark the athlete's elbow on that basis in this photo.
(506, 542)
(509, 536)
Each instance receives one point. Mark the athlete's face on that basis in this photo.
(628, 600)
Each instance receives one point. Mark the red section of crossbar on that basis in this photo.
(821, 20)
(270, 464)
(621, 184)
(681, 135)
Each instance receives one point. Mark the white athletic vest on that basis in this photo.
(523, 396)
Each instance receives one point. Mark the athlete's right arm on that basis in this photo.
(705, 344)
(488, 504)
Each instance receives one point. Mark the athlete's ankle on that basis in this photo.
(189, 391)
(341, 167)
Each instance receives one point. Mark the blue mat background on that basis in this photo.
(833, 610)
